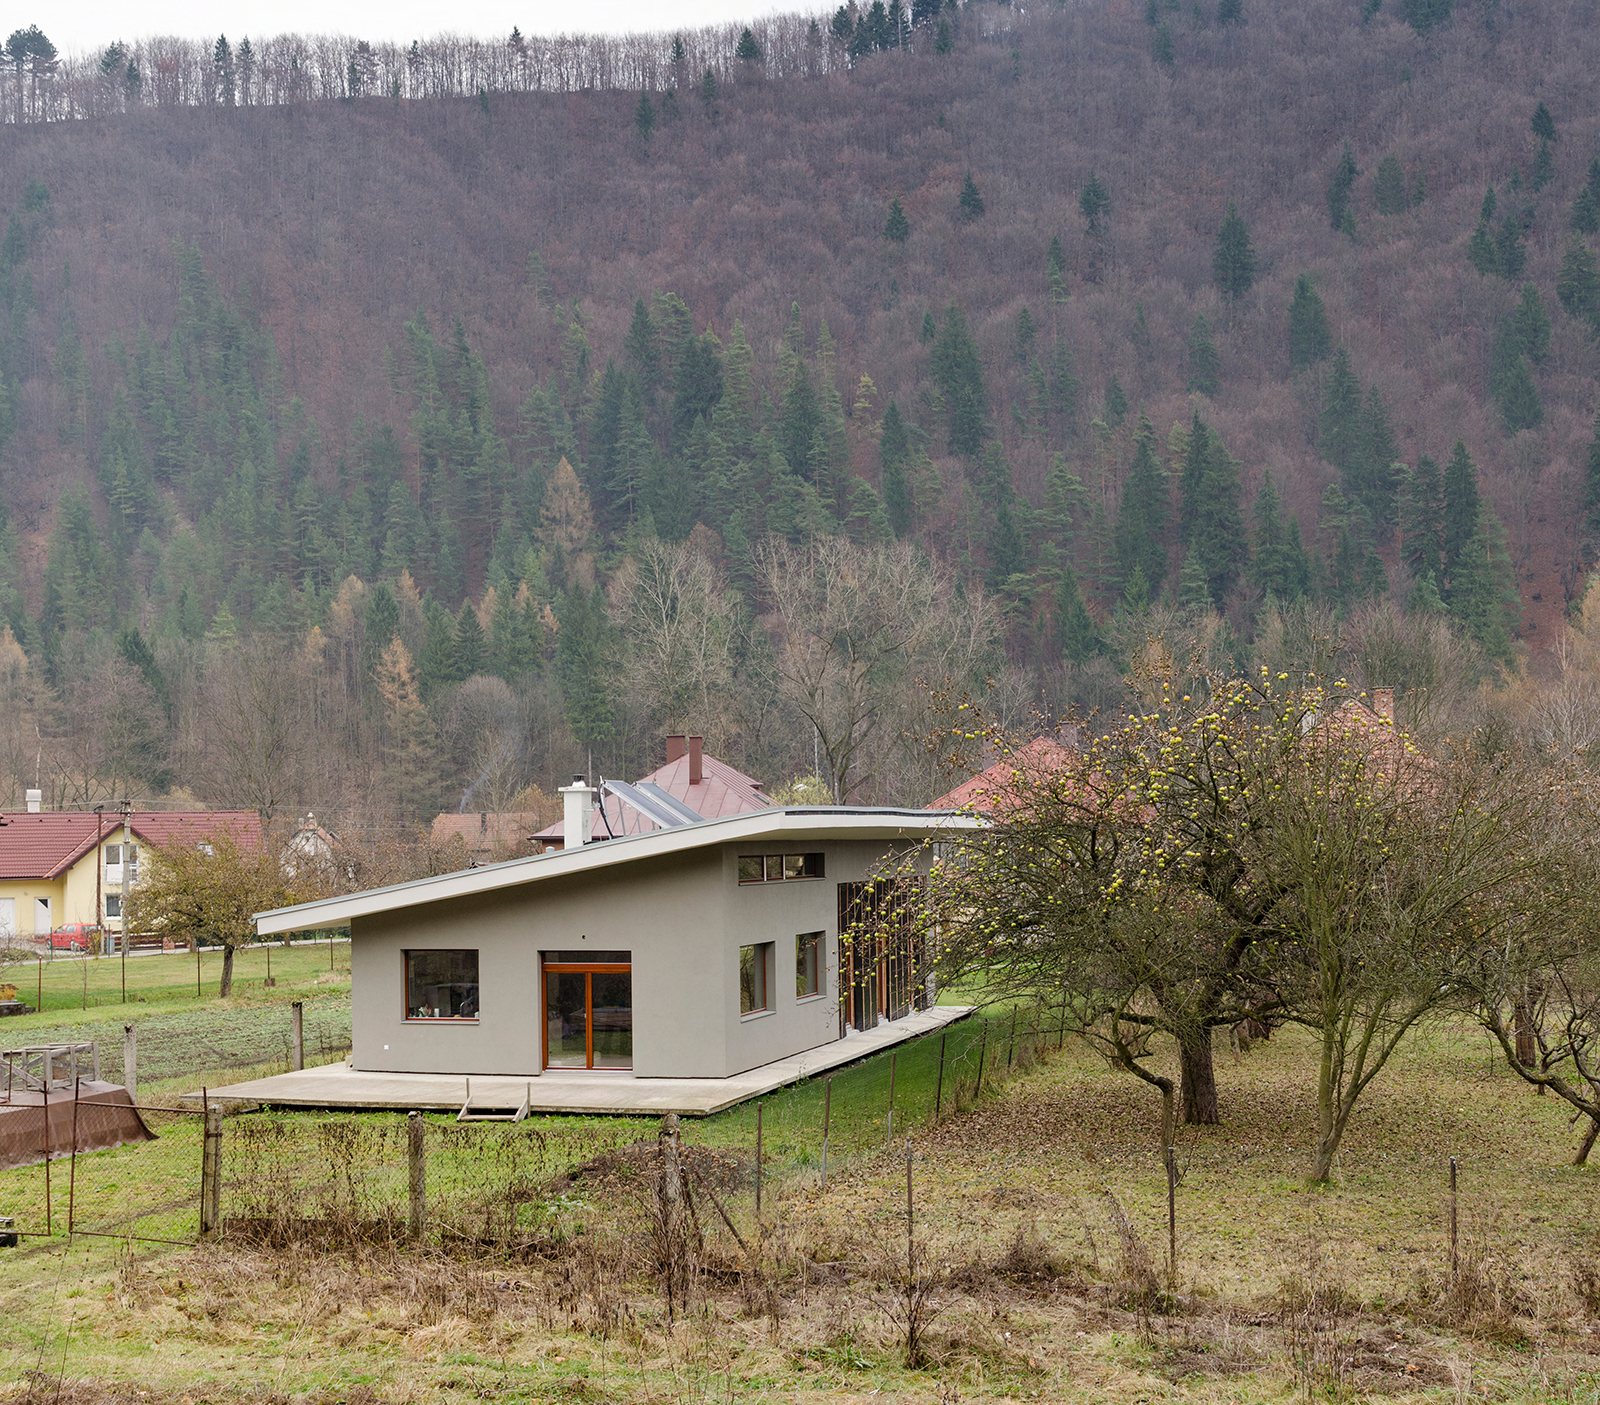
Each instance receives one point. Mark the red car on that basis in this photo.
(72, 936)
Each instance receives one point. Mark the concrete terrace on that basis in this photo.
(558, 1091)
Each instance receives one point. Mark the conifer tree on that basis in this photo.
(1543, 124)
(748, 50)
(1510, 254)
(1374, 480)
(1193, 591)
(644, 117)
(437, 664)
(1055, 267)
(1116, 402)
(1532, 325)
(1340, 185)
(1161, 48)
(959, 374)
(970, 203)
(1339, 427)
(1586, 208)
(1591, 479)
(1230, 12)
(1023, 338)
(1461, 510)
(1205, 366)
(1094, 204)
(1234, 261)
(1218, 541)
(929, 330)
(640, 345)
(469, 653)
(1139, 537)
(1578, 283)
(583, 664)
(897, 228)
(1422, 519)
(1274, 568)
(708, 88)
(1189, 482)
(1310, 338)
(1389, 187)
(1483, 595)
(1065, 387)
(1483, 252)
(893, 448)
(1544, 167)
(1076, 636)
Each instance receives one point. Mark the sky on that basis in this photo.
(91, 24)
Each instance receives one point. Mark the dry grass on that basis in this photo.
(1034, 1275)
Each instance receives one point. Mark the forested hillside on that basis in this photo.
(387, 431)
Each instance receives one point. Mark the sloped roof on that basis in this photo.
(46, 845)
(995, 787)
(722, 791)
(481, 830)
(791, 827)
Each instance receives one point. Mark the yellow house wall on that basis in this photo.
(26, 890)
(80, 891)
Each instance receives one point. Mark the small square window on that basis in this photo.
(807, 965)
(753, 964)
(441, 985)
(113, 904)
(774, 868)
(751, 868)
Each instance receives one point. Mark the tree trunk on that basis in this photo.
(1199, 1078)
(227, 972)
(1581, 1158)
(1328, 1128)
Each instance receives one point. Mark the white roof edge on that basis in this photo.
(821, 821)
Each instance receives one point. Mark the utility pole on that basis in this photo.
(127, 843)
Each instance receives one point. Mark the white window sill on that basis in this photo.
(809, 999)
(756, 1015)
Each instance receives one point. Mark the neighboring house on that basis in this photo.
(1002, 785)
(690, 950)
(49, 859)
(488, 832)
(690, 786)
(310, 846)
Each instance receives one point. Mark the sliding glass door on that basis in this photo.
(588, 998)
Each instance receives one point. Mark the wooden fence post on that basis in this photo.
(938, 1088)
(983, 1052)
(827, 1117)
(130, 1060)
(758, 1161)
(416, 1171)
(1455, 1259)
(669, 1203)
(297, 1027)
(1011, 1048)
(211, 1173)
(888, 1130)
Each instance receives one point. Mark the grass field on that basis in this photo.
(1041, 1230)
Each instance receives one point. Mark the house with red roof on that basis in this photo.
(68, 869)
(1002, 785)
(688, 787)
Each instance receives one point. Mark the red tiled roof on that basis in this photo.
(722, 791)
(46, 845)
(484, 831)
(993, 788)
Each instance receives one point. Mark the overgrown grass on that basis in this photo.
(1041, 1219)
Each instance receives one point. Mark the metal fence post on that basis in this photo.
(297, 1024)
(130, 1061)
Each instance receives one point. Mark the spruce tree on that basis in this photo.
(640, 346)
(1116, 402)
(1094, 204)
(959, 374)
(1193, 474)
(1205, 366)
(1586, 208)
(1055, 267)
(970, 203)
(583, 664)
(1194, 593)
(897, 228)
(644, 117)
(1578, 283)
(1544, 167)
(1339, 427)
(1219, 539)
(1076, 636)
(748, 50)
(1139, 537)
(1230, 12)
(469, 650)
(1161, 48)
(1234, 262)
(1422, 519)
(1272, 568)
(1377, 450)
(1340, 184)
(1532, 325)
(1510, 254)
(1461, 508)
(1389, 187)
(893, 449)
(1591, 479)
(1027, 331)
(1483, 252)
(1310, 339)
(1483, 597)
(1543, 124)
(1065, 387)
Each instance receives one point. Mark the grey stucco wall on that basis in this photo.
(684, 919)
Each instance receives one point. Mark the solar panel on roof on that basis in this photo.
(671, 801)
(651, 808)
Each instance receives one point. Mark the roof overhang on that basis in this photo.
(787, 825)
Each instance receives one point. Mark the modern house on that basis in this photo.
(70, 867)
(699, 948)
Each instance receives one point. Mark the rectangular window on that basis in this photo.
(808, 965)
(441, 985)
(753, 964)
(588, 1009)
(774, 868)
(113, 904)
(113, 854)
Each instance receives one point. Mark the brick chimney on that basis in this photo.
(676, 747)
(696, 760)
(1383, 703)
